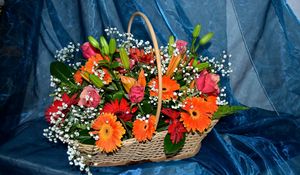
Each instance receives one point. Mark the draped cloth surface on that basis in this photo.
(262, 36)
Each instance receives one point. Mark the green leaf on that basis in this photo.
(129, 124)
(118, 95)
(115, 64)
(170, 148)
(146, 107)
(202, 66)
(227, 110)
(206, 38)
(96, 81)
(62, 72)
(162, 126)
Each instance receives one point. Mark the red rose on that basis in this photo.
(207, 83)
(88, 50)
(89, 97)
(136, 93)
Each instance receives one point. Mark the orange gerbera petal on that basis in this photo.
(110, 132)
(107, 77)
(169, 86)
(77, 76)
(198, 112)
(92, 61)
(144, 129)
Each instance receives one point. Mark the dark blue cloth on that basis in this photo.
(262, 36)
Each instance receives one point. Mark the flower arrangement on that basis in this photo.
(106, 91)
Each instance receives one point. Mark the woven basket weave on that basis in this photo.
(133, 151)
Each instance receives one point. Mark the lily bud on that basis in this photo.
(206, 38)
(104, 45)
(124, 58)
(93, 42)
(171, 43)
(196, 31)
(96, 81)
(112, 46)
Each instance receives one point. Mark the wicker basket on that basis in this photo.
(133, 151)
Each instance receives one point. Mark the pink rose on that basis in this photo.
(207, 83)
(89, 97)
(181, 46)
(136, 93)
(88, 50)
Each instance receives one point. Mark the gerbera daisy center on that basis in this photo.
(105, 132)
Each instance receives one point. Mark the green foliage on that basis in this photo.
(227, 110)
(62, 72)
(170, 148)
(146, 107)
(118, 95)
(201, 66)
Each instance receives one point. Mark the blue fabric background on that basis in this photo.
(257, 141)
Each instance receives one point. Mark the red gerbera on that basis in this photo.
(60, 108)
(176, 128)
(120, 109)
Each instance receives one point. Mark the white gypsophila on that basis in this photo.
(60, 130)
(67, 55)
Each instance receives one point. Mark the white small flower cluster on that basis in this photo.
(54, 81)
(165, 59)
(127, 40)
(75, 157)
(143, 118)
(67, 55)
(221, 99)
(62, 128)
(189, 74)
(153, 100)
(222, 67)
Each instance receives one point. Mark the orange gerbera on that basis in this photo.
(198, 112)
(169, 86)
(110, 132)
(89, 65)
(77, 76)
(144, 129)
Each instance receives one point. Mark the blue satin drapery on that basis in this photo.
(263, 35)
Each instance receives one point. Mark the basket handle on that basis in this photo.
(157, 55)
